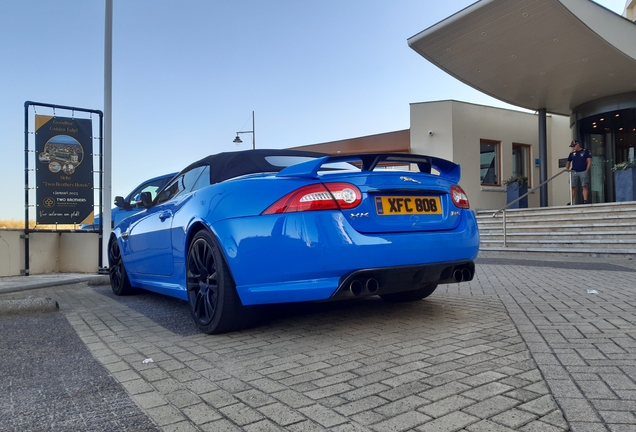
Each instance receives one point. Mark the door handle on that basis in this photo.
(165, 215)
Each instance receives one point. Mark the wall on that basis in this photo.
(438, 118)
(559, 138)
(458, 128)
(398, 141)
(11, 252)
(630, 10)
(48, 252)
(79, 253)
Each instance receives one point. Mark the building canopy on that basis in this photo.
(535, 54)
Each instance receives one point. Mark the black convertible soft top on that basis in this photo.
(224, 166)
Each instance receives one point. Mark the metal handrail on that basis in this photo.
(521, 197)
(529, 192)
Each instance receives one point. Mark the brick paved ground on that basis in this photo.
(578, 318)
(517, 348)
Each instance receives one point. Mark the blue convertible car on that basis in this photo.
(274, 226)
(124, 207)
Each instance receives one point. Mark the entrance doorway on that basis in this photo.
(601, 184)
(611, 139)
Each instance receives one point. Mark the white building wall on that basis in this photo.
(438, 118)
(11, 252)
(65, 252)
(79, 253)
(559, 138)
(458, 128)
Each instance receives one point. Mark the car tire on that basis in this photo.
(408, 296)
(214, 303)
(119, 282)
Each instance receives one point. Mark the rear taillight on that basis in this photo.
(328, 196)
(460, 199)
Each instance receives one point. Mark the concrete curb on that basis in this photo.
(22, 283)
(99, 280)
(28, 306)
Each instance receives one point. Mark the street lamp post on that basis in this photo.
(238, 139)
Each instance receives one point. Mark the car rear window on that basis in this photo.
(285, 161)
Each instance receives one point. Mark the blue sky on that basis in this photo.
(187, 75)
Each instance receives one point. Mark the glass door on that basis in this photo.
(598, 173)
(611, 139)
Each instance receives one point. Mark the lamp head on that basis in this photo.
(237, 140)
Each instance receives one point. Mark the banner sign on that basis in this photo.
(64, 170)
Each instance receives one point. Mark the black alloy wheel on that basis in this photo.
(214, 304)
(119, 282)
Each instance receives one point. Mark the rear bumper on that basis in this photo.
(314, 256)
(370, 282)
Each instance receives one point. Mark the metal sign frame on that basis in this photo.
(27, 169)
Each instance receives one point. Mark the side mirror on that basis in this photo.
(119, 202)
(146, 199)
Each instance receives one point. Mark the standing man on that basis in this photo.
(581, 160)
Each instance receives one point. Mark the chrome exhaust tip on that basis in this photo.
(458, 275)
(355, 287)
(467, 275)
(372, 285)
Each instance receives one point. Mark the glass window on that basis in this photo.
(204, 179)
(489, 162)
(152, 187)
(183, 183)
(521, 160)
(285, 161)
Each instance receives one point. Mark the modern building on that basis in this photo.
(490, 144)
(572, 63)
(564, 57)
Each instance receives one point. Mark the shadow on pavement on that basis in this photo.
(174, 315)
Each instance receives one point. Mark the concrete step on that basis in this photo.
(551, 234)
(610, 230)
(596, 228)
(569, 250)
(601, 243)
(562, 216)
(587, 208)
(610, 215)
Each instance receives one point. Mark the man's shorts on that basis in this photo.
(580, 178)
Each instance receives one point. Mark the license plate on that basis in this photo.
(407, 205)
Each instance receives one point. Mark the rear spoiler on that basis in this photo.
(369, 161)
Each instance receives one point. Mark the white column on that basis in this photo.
(107, 150)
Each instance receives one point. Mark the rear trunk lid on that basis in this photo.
(400, 202)
(393, 200)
